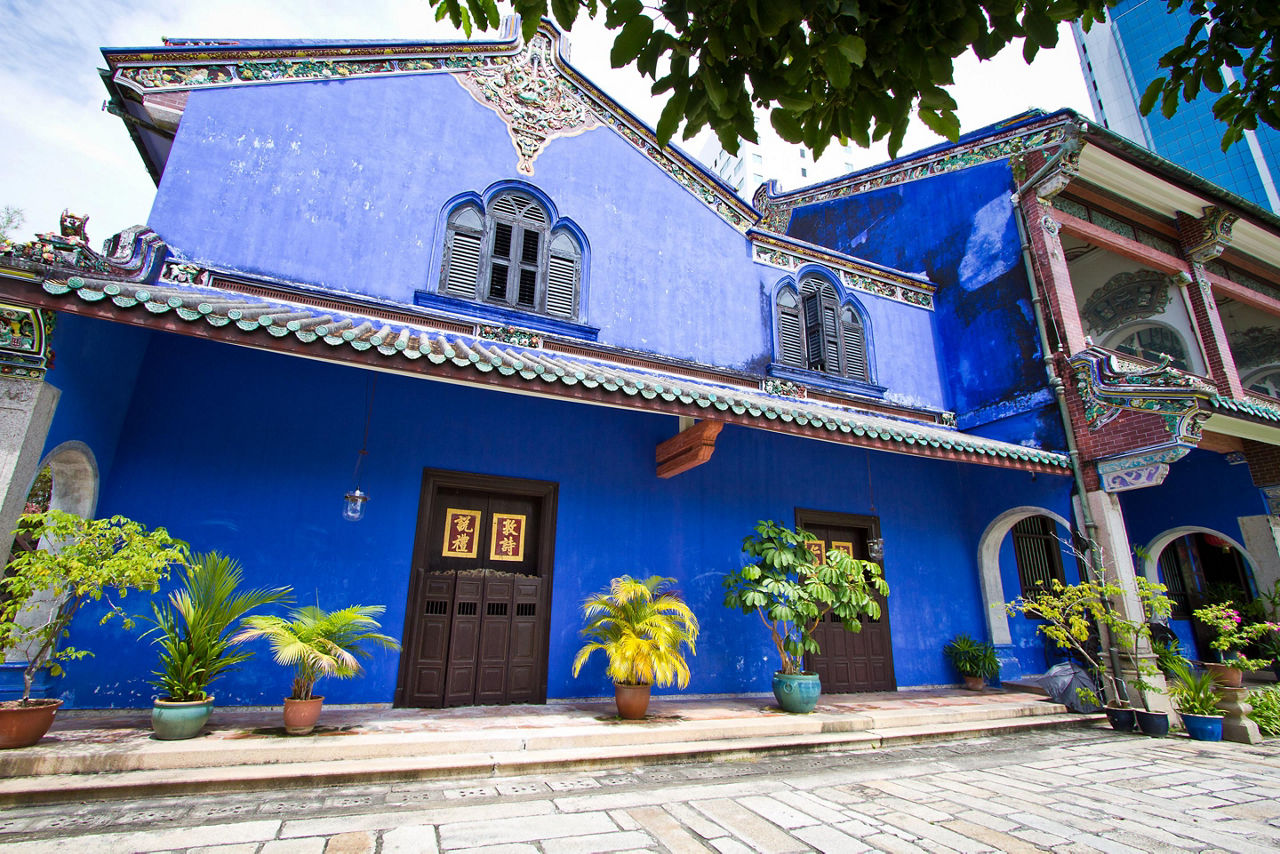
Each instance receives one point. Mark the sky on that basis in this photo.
(61, 150)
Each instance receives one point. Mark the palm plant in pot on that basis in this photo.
(976, 660)
(792, 591)
(192, 628)
(1196, 696)
(84, 561)
(641, 628)
(317, 643)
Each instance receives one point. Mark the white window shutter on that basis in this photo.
(463, 264)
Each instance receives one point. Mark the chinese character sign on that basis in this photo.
(508, 537)
(818, 548)
(846, 548)
(461, 533)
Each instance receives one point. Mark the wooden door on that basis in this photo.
(850, 661)
(477, 619)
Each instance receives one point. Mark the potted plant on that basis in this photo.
(192, 630)
(641, 628)
(85, 561)
(1196, 696)
(1070, 613)
(976, 660)
(792, 591)
(316, 643)
(1231, 636)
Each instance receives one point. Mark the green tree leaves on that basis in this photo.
(833, 69)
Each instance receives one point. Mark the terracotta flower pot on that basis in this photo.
(300, 716)
(632, 700)
(1226, 675)
(974, 683)
(23, 726)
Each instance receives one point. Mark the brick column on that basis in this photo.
(1203, 240)
(1051, 269)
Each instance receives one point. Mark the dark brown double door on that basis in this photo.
(850, 661)
(477, 617)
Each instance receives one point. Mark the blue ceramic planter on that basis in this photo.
(1154, 724)
(797, 692)
(1203, 727)
(175, 721)
(1121, 720)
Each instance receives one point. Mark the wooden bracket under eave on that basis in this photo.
(688, 448)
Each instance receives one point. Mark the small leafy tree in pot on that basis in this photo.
(1070, 612)
(792, 591)
(85, 562)
(192, 626)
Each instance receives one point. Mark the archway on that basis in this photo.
(1199, 566)
(993, 593)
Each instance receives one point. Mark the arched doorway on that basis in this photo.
(1199, 566)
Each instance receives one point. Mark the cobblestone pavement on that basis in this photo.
(1064, 791)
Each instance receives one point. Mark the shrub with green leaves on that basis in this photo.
(972, 657)
(1266, 709)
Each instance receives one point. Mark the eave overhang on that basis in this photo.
(515, 361)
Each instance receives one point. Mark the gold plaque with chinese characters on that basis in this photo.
(818, 548)
(461, 533)
(508, 537)
(846, 548)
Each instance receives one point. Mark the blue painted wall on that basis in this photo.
(342, 184)
(250, 453)
(958, 228)
(1202, 490)
(96, 391)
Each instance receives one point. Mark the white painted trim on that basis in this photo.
(993, 596)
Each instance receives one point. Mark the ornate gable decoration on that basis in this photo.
(25, 339)
(531, 88)
(536, 104)
(1207, 237)
(1109, 385)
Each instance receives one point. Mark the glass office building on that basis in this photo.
(1122, 56)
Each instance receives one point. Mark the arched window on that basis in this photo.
(1150, 342)
(1266, 382)
(509, 255)
(1038, 554)
(817, 332)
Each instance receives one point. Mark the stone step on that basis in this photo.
(507, 758)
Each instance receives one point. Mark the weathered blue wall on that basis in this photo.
(250, 453)
(97, 388)
(958, 228)
(342, 183)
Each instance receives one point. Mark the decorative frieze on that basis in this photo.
(511, 335)
(68, 248)
(776, 210)
(1126, 297)
(26, 351)
(1134, 471)
(770, 251)
(784, 388)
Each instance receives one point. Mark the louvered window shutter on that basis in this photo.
(462, 261)
(790, 331)
(814, 343)
(854, 345)
(562, 276)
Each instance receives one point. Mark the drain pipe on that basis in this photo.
(1055, 383)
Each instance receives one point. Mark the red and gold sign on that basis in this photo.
(461, 533)
(818, 548)
(508, 537)
(845, 548)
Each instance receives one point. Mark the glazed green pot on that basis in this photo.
(797, 692)
(174, 721)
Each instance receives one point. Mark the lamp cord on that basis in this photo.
(364, 443)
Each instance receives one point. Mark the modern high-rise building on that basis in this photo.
(1122, 56)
